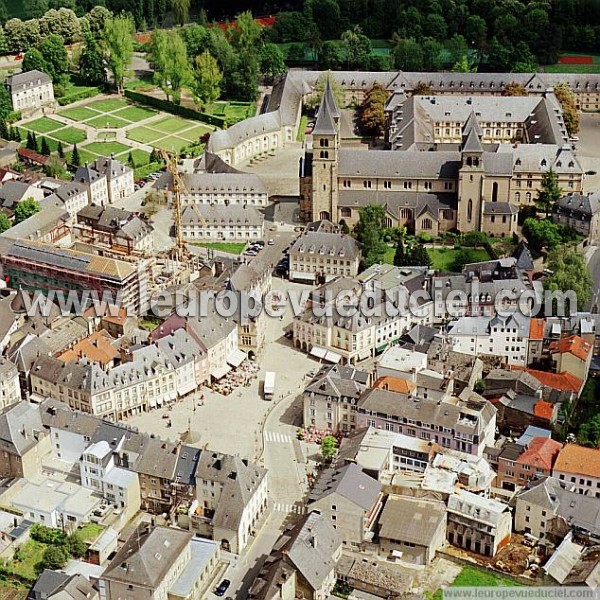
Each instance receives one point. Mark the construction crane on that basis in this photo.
(181, 252)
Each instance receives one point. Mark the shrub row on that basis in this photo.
(79, 95)
(145, 170)
(175, 109)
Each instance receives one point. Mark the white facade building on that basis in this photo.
(30, 90)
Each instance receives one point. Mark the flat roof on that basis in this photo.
(202, 551)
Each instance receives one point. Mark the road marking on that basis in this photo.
(289, 508)
(274, 436)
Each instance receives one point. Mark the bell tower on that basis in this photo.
(326, 141)
(471, 177)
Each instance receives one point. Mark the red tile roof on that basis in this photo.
(578, 460)
(536, 329)
(543, 410)
(574, 345)
(564, 382)
(542, 453)
(395, 384)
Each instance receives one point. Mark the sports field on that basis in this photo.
(574, 62)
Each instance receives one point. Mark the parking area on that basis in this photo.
(588, 150)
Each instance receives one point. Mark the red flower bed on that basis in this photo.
(576, 60)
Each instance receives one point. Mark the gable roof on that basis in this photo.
(541, 453)
(578, 460)
(574, 345)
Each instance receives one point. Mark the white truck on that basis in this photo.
(269, 385)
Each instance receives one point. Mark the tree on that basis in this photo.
(514, 89)
(314, 100)
(589, 432)
(75, 159)
(292, 27)
(52, 49)
(296, 52)
(541, 233)
(168, 56)
(432, 54)
(244, 77)
(91, 62)
(207, 79)
(4, 223)
(435, 25)
(476, 31)
(371, 120)
(246, 33)
(181, 9)
(357, 47)
(117, 39)
(464, 256)
(16, 35)
(54, 168)
(130, 160)
(549, 192)
(53, 558)
(3, 41)
(328, 447)
(3, 12)
(5, 102)
(400, 254)
(30, 144)
(422, 89)
(97, 18)
(45, 149)
(408, 54)
(62, 22)
(76, 545)
(33, 60)
(25, 209)
(569, 272)
(272, 62)
(419, 256)
(568, 103)
(34, 9)
(345, 229)
(369, 232)
(327, 16)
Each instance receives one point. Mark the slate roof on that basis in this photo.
(18, 424)
(25, 80)
(499, 208)
(338, 382)
(325, 244)
(412, 520)
(147, 555)
(217, 215)
(584, 204)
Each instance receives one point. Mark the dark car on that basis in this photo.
(223, 587)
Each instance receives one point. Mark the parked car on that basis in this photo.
(222, 587)
(271, 242)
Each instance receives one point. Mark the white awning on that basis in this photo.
(173, 396)
(152, 403)
(364, 354)
(301, 276)
(318, 352)
(236, 358)
(333, 357)
(220, 372)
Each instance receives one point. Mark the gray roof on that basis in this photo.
(499, 208)
(216, 183)
(312, 548)
(111, 167)
(29, 79)
(218, 215)
(158, 459)
(87, 174)
(69, 189)
(412, 520)
(38, 224)
(147, 556)
(20, 428)
(485, 325)
(338, 382)
(473, 142)
(350, 482)
(13, 192)
(328, 112)
(328, 244)
(579, 204)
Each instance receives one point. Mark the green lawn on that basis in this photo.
(43, 125)
(79, 113)
(232, 111)
(108, 122)
(566, 68)
(474, 577)
(106, 148)
(84, 156)
(134, 113)
(442, 259)
(140, 157)
(70, 135)
(9, 591)
(231, 248)
(90, 531)
(108, 105)
(171, 144)
(194, 133)
(30, 554)
(106, 136)
(171, 124)
(143, 135)
(302, 128)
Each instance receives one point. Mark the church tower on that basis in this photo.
(326, 141)
(471, 177)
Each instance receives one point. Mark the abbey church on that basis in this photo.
(451, 161)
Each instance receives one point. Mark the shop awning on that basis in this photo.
(236, 358)
(318, 352)
(220, 372)
(301, 276)
(152, 403)
(333, 357)
(364, 354)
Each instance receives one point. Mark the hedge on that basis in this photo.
(79, 95)
(153, 167)
(175, 109)
(13, 116)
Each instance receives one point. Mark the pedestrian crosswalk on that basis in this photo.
(274, 436)
(289, 508)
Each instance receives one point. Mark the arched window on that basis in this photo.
(406, 213)
(324, 154)
(427, 223)
(528, 197)
(495, 191)
(518, 197)
(469, 210)
(469, 161)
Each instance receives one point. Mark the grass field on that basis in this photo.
(302, 128)
(171, 144)
(232, 111)
(140, 157)
(79, 113)
(231, 248)
(442, 259)
(12, 592)
(70, 135)
(194, 133)
(90, 531)
(134, 113)
(170, 124)
(106, 148)
(30, 553)
(84, 156)
(583, 69)
(43, 125)
(475, 577)
(108, 105)
(107, 121)
(142, 135)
